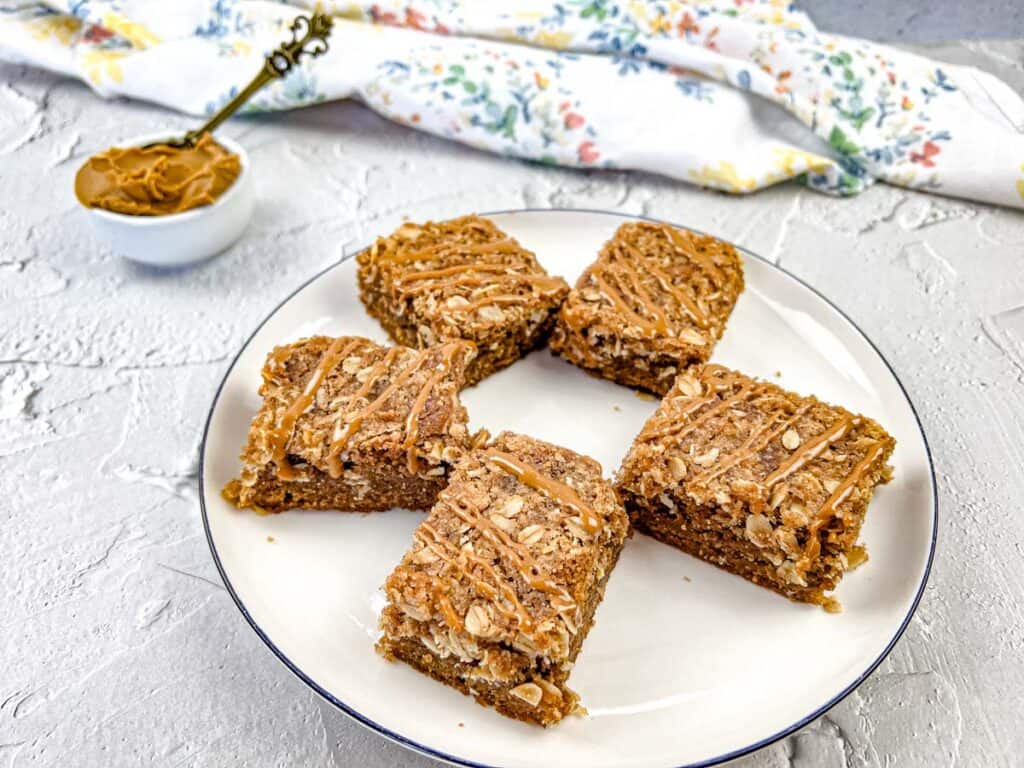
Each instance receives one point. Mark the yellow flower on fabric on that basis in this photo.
(100, 65)
(638, 10)
(791, 161)
(506, 33)
(1020, 184)
(549, 38)
(134, 33)
(351, 11)
(725, 176)
(660, 23)
(61, 27)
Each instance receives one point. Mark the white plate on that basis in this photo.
(686, 665)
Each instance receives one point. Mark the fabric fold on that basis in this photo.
(729, 94)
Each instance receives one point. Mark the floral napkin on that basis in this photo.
(730, 94)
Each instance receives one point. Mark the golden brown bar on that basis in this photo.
(655, 301)
(500, 586)
(460, 279)
(351, 425)
(759, 481)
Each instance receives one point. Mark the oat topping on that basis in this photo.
(656, 300)
(340, 414)
(460, 279)
(752, 474)
(513, 556)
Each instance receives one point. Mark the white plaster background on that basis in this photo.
(118, 644)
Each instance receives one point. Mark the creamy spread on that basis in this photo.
(157, 180)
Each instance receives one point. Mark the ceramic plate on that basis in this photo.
(686, 665)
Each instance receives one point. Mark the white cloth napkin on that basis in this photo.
(730, 94)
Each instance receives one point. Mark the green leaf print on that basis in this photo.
(841, 143)
(596, 9)
(857, 119)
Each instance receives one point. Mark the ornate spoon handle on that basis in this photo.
(309, 38)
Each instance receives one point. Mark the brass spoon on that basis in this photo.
(309, 38)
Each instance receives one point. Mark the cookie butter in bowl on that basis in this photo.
(168, 205)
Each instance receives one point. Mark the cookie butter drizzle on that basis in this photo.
(684, 299)
(811, 449)
(687, 246)
(350, 423)
(677, 428)
(334, 465)
(520, 556)
(619, 258)
(806, 453)
(507, 549)
(557, 491)
(279, 438)
(491, 589)
(758, 439)
(618, 301)
(829, 508)
(478, 274)
(412, 422)
(624, 272)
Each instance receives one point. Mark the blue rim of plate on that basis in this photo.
(454, 760)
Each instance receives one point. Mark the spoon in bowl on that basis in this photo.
(309, 38)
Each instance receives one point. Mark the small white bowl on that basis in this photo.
(181, 238)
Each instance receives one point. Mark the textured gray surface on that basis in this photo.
(920, 21)
(119, 645)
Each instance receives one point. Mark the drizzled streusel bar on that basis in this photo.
(348, 424)
(655, 301)
(460, 279)
(759, 481)
(499, 588)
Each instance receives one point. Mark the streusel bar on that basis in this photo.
(655, 301)
(499, 588)
(351, 425)
(759, 481)
(460, 279)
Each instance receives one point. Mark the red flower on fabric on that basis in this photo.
(380, 17)
(97, 34)
(931, 149)
(415, 19)
(780, 86)
(587, 152)
(573, 121)
(687, 25)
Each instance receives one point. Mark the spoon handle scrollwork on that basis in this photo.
(309, 38)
